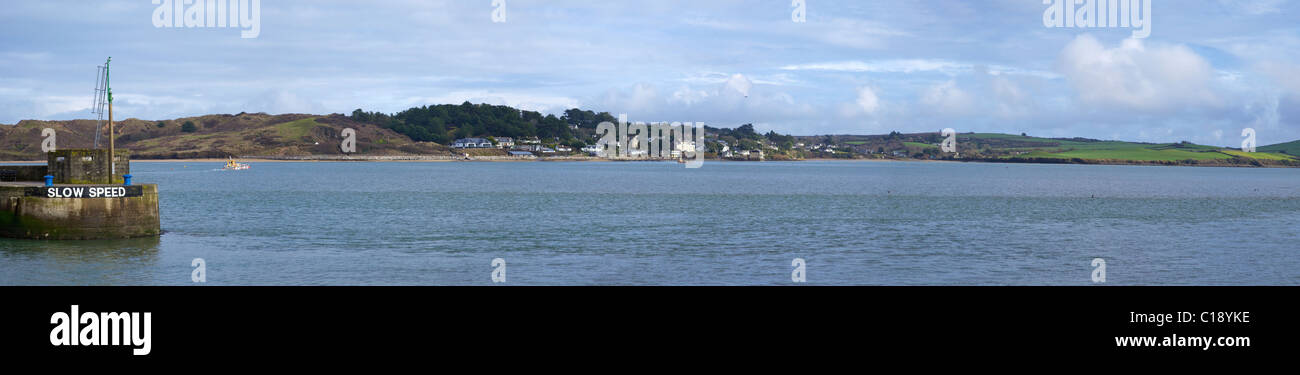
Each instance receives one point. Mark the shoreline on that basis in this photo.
(509, 159)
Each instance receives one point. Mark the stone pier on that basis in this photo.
(86, 202)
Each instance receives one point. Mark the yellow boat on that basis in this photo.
(231, 165)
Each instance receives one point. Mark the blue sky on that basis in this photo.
(1208, 69)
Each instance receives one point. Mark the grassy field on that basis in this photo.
(295, 130)
(1292, 148)
(1048, 148)
(1143, 154)
(1258, 155)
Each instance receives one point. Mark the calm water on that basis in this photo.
(893, 223)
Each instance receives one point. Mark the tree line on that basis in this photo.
(444, 123)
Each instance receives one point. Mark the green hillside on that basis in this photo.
(217, 136)
(1024, 147)
(1291, 148)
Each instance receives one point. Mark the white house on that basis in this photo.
(505, 142)
(472, 143)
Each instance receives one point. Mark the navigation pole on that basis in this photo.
(112, 152)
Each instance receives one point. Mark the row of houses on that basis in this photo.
(540, 148)
(634, 150)
(501, 142)
(472, 143)
(743, 154)
(529, 146)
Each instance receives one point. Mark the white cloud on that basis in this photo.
(867, 100)
(854, 33)
(283, 101)
(1012, 100)
(715, 104)
(945, 67)
(689, 96)
(164, 106)
(59, 104)
(777, 79)
(883, 66)
(947, 98)
(740, 84)
(1135, 76)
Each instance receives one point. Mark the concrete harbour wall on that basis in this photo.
(27, 215)
(85, 166)
(20, 173)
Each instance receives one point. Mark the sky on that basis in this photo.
(1207, 69)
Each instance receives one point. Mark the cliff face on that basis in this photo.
(216, 136)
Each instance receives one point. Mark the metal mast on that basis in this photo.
(99, 102)
(112, 152)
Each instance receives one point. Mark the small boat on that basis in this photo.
(231, 165)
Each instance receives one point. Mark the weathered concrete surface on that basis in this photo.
(78, 218)
(86, 166)
(23, 173)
